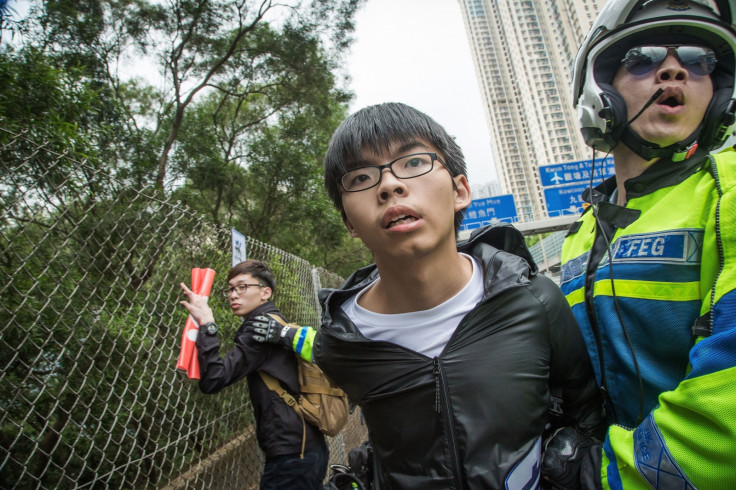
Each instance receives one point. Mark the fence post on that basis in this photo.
(317, 285)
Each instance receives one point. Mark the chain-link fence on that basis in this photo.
(90, 330)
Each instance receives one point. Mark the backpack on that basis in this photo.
(320, 402)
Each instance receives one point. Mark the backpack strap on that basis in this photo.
(308, 388)
(323, 390)
(278, 319)
(274, 385)
(555, 409)
(703, 327)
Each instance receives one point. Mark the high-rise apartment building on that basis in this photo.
(523, 51)
(488, 189)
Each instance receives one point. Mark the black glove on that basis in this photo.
(572, 460)
(266, 329)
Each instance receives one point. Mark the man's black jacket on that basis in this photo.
(278, 427)
(467, 418)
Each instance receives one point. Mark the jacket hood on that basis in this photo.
(501, 250)
(503, 237)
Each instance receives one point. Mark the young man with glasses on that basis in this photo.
(650, 267)
(451, 350)
(281, 433)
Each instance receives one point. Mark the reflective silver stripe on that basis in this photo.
(654, 461)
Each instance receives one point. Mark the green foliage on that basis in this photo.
(241, 121)
(235, 126)
(87, 329)
(46, 101)
(532, 239)
(74, 116)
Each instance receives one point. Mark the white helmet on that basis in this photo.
(622, 24)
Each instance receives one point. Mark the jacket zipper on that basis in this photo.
(719, 240)
(442, 406)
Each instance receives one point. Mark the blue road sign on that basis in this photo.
(489, 210)
(564, 200)
(574, 172)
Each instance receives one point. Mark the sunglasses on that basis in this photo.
(698, 60)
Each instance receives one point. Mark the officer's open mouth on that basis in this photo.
(671, 102)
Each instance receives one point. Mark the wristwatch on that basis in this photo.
(209, 328)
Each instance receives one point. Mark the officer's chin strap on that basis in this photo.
(678, 152)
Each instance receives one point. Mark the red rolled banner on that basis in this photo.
(202, 280)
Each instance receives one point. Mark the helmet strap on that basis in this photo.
(678, 152)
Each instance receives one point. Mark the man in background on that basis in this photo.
(296, 451)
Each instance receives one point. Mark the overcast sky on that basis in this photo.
(417, 52)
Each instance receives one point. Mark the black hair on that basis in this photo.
(255, 268)
(375, 128)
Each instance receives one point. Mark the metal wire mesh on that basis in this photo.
(90, 330)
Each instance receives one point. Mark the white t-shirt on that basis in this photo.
(426, 331)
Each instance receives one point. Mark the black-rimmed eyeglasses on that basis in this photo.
(406, 167)
(699, 60)
(240, 289)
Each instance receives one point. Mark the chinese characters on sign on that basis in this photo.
(489, 210)
(564, 199)
(564, 183)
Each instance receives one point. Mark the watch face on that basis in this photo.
(211, 328)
